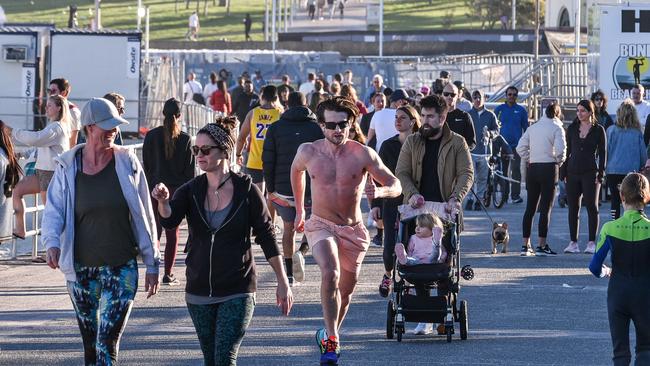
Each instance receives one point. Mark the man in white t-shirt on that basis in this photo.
(190, 88)
(308, 86)
(61, 86)
(193, 30)
(382, 125)
(210, 88)
(642, 107)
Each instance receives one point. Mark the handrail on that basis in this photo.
(34, 233)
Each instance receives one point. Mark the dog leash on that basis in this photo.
(480, 202)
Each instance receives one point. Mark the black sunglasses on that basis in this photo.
(332, 125)
(512, 94)
(447, 94)
(205, 149)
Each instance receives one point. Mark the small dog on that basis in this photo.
(500, 235)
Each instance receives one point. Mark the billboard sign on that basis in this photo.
(624, 50)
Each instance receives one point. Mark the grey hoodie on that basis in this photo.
(58, 218)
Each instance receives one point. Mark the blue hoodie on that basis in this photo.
(514, 122)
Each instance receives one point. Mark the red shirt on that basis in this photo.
(221, 102)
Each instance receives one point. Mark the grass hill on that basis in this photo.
(169, 18)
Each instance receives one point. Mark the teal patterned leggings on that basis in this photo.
(221, 328)
(102, 298)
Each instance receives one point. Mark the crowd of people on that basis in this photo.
(308, 153)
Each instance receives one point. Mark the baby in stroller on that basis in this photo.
(425, 246)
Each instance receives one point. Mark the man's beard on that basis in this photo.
(427, 131)
(335, 141)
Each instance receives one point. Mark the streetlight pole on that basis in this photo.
(576, 52)
(381, 28)
(98, 17)
(514, 14)
(139, 16)
(266, 20)
(146, 29)
(273, 9)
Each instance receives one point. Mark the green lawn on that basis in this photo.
(166, 23)
(170, 23)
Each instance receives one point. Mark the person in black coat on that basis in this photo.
(221, 208)
(296, 126)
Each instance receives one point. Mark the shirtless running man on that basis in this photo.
(337, 168)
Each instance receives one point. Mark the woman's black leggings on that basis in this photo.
(579, 186)
(540, 184)
(389, 214)
(613, 180)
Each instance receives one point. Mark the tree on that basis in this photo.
(488, 12)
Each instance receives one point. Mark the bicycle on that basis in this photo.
(496, 184)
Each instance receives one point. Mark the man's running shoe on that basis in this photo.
(544, 251)
(321, 337)
(331, 354)
(298, 266)
(384, 287)
(526, 251)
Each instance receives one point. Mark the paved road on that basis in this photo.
(354, 20)
(523, 311)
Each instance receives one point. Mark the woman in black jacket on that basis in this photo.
(221, 208)
(586, 144)
(407, 121)
(166, 158)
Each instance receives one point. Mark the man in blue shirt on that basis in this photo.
(514, 122)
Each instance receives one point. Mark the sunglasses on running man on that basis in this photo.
(332, 125)
(205, 149)
(447, 94)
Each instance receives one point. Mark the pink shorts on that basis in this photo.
(352, 241)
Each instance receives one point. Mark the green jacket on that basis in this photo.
(455, 170)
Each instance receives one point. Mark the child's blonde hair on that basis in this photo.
(429, 221)
(635, 190)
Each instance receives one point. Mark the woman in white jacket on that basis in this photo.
(50, 142)
(543, 149)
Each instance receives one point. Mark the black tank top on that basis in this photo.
(103, 233)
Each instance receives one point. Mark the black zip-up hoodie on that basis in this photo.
(220, 261)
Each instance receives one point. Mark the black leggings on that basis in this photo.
(389, 214)
(613, 180)
(579, 186)
(540, 184)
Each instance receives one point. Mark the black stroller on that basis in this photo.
(404, 306)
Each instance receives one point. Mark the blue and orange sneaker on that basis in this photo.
(330, 355)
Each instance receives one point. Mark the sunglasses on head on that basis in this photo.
(205, 149)
(332, 125)
(447, 94)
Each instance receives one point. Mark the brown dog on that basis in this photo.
(500, 235)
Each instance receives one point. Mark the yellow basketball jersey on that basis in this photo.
(262, 119)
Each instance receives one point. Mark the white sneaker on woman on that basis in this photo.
(423, 328)
(591, 248)
(572, 248)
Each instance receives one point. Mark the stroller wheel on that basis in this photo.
(464, 324)
(390, 320)
(467, 273)
(400, 331)
(449, 331)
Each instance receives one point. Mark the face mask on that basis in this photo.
(429, 131)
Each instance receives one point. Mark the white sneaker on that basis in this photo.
(423, 328)
(298, 266)
(572, 248)
(370, 222)
(591, 248)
